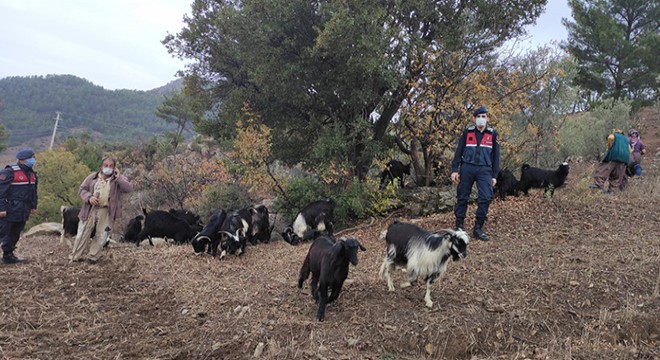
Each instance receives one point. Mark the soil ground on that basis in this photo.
(572, 277)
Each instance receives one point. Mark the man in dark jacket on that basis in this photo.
(478, 156)
(18, 200)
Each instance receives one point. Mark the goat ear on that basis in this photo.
(362, 247)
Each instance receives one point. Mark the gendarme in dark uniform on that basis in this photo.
(477, 159)
(18, 199)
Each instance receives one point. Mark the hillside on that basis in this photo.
(572, 277)
(28, 107)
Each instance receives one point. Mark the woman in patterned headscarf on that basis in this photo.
(638, 149)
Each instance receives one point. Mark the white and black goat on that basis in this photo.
(315, 217)
(328, 262)
(424, 254)
(210, 235)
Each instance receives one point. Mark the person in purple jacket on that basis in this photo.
(638, 149)
(101, 192)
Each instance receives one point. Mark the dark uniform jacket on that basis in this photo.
(478, 148)
(18, 192)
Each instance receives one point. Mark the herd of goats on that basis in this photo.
(424, 254)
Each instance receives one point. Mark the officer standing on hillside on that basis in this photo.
(18, 199)
(478, 156)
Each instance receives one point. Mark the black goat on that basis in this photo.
(507, 184)
(70, 223)
(133, 229)
(328, 261)
(532, 177)
(159, 223)
(261, 226)
(423, 253)
(394, 170)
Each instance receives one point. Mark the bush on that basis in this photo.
(226, 197)
(299, 193)
(586, 135)
(355, 202)
(60, 176)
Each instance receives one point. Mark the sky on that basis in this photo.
(116, 44)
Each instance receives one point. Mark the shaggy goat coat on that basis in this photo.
(531, 177)
(328, 262)
(424, 254)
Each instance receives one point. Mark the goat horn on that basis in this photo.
(230, 234)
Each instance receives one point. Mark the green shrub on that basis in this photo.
(299, 193)
(226, 197)
(586, 135)
(386, 200)
(60, 176)
(355, 202)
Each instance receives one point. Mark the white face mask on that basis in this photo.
(481, 122)
(107, 171)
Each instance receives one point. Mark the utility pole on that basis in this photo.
(52, 139)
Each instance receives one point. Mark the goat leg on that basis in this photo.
(314, 288)
(384, 273)
(335, 293)
(427, 297)
(320, 314)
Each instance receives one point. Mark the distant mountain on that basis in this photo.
(28, 107)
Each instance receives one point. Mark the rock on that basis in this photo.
(258, 350)
(47, 228)
(423, 201)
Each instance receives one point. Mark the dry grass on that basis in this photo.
(573, 277)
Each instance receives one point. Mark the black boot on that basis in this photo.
(478, 231)
(11, 259)
(460, 224)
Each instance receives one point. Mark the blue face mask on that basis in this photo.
(30, 162)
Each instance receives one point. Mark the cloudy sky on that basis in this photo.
(116, 43)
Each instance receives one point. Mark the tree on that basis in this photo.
(60, 175)
(616, 44)
(85, 149)
(181, 110)
(180, 181)
(535, 131)
(452, 85)
(305, 65)
(3, 138)
(250, 157)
